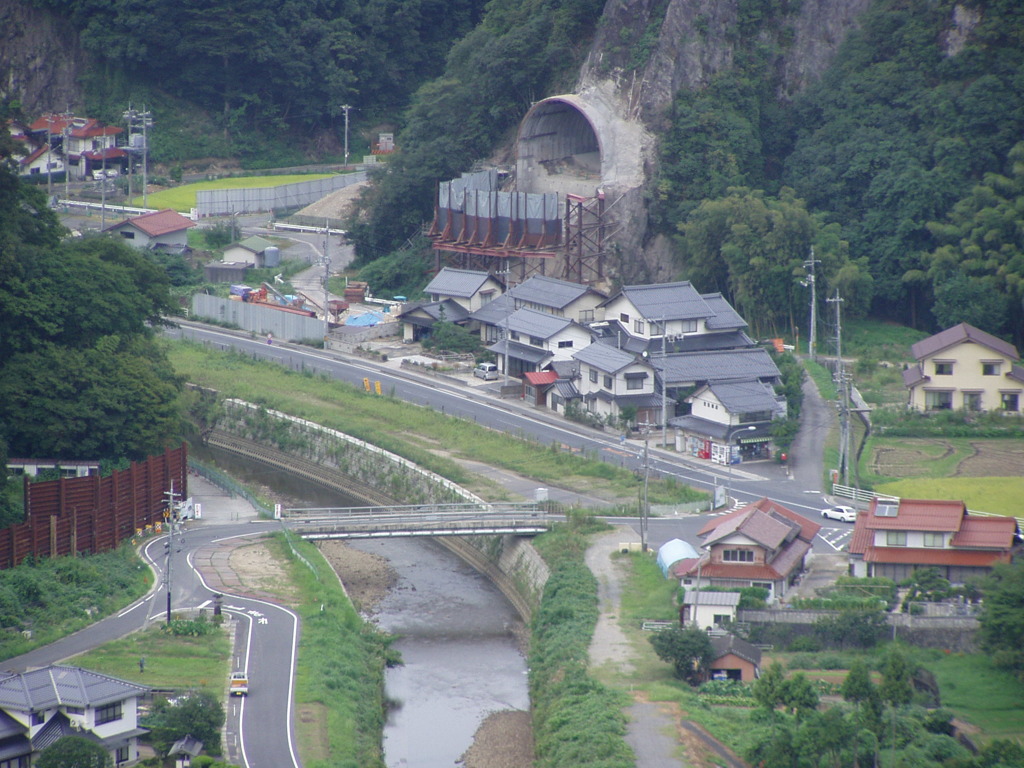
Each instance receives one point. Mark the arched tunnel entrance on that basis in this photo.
(558, 149)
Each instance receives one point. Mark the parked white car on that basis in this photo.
(841, 513)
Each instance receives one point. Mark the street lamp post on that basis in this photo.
(345, 108)
(728, 454)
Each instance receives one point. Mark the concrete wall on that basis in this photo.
(510, 562)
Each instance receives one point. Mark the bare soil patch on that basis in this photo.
(366, 577)
(260, 573)
(993, 458)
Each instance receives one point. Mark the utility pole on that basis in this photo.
(68, 117)
(813, 334)
(49, 158)
(327, 276)
(645, 509)
(844, 399)
(664, 384)
(345, 108)
(171, 495)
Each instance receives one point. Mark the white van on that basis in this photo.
(486, 371)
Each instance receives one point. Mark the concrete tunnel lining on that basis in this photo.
(559, 130)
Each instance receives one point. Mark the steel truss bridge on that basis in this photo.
(522, 519)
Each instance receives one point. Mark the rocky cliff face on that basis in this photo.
(40, 61)
(647, 51)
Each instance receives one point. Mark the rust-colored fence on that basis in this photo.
(82, 515)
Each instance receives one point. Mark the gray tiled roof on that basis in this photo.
(494, 312)
(605, 358)
(462, 283)
(745, 396)
(534, 323)
(519, 351)
(566, 369)
(726, 644)
(957, 334)
(693, 597)
(671, 301)
(566, 389)
(548, 292)
(725, 317)
(719, 365)
(702, 342)
(57, 685)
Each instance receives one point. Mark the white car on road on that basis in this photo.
(844, 514)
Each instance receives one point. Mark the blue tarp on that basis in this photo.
(671, 552)
(370, 318)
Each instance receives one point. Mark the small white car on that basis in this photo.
(841, 513)
(486, 371)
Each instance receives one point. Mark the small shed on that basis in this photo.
(672, 552)
(735, 659)
(250, 250)
(708, 609)
(184, 749)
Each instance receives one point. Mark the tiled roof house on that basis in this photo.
(895, 537)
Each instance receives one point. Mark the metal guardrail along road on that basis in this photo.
(525, 519)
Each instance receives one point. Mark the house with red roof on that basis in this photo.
(90, 145)
(895, 537)
(964, 368)
(164, 228)
(763, 544)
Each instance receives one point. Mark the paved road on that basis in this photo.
(266, 634)
(799, 490)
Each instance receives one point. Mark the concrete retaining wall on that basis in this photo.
(509, 561)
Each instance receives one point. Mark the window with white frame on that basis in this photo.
(638, 327)
(943, 367)
(687, 326)
(938, 400)
(593, 376)
(1010, 401)
(934, 539)
(566, 344)
(607, 381)
(586, 315)
(990, 367)
(624, 317)
(972, 401)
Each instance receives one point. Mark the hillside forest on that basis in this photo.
(899, 165)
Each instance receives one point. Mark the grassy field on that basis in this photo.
(180, 663)
(432, 440)
(978, 693)
(183, 198)
(996, 495)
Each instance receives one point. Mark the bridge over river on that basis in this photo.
(522, 519)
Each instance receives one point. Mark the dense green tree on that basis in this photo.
(857, 685)
(897, 674)
(752, 248)
(768, 688)
(688, 650)
(74, 752)
(798, 695)
(449, 337)
(1002, 617)
(198, 713)
(977, 270)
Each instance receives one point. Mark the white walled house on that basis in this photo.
(251, 250)
(895, 537)
(557, 297)
(729, 421)
(468, 288)
(611, 379)
(964, 368)
(164, 228)
(528, 340)
(48, 703)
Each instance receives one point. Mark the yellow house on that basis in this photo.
(964, 368)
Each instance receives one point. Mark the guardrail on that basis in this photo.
(421, 520)
(284, 227)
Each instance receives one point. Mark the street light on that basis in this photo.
(728, 454)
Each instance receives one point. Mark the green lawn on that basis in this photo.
(183, 198)
(984, 696)
(171, 662)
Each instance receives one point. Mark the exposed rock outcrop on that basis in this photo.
(42, 59)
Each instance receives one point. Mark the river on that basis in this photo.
(457, 635)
